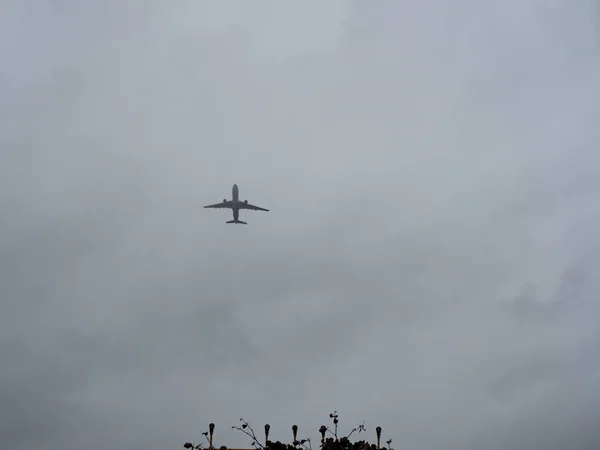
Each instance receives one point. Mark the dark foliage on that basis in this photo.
(331, 442)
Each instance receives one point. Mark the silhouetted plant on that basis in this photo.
(247, 430)
(304, 443)
(189, 445)
(334, 442)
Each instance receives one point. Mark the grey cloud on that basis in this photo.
(428, 263)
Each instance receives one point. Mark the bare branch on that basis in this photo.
(248, 431)
(358, 429)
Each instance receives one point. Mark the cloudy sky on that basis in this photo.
(430, 262)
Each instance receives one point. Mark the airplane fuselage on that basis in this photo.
(235, 200)
(235, 194)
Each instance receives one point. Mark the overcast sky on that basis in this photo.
(430, 262)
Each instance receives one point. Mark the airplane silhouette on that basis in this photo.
(235, 204)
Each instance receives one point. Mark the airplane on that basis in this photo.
(235, 204)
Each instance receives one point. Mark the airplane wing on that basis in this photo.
(223, 204)
(246, 205)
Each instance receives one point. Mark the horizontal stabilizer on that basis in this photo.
(236, 221)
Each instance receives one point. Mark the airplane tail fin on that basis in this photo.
(236, 221)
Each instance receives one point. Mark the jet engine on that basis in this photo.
(245, 201)
(224, 200)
